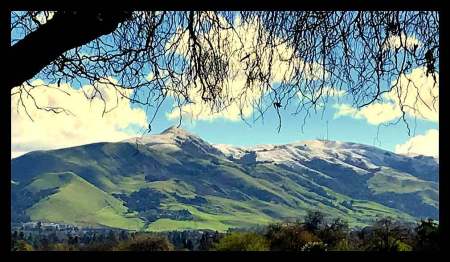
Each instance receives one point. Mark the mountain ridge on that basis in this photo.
(183, 133)
(194, 184)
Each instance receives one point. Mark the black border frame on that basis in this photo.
(5, 103)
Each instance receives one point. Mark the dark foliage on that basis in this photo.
(427, 236)
(146, 243)
(315, 234)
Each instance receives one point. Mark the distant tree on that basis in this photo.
(427, 236)
(111, 236)
(44, 244)
(69, 239)
(21, 235)
(344, 245)
(389, 235)
(204, 242)
(133, 235)
(289, 237)
(94, 238)
(314, 221)
(98, 246)
(275, 236)
(146, 243)
(176, 239)
(21, 245)
(39, 226)
(216, 236)
(208, 240)
(35, 242)
(189, 245)
(53, 237)
(242, 241)
(61, 247)
(402, 246)
(85, 239)
(30, 238)
(334, 233)
(76, 240)
(123, 235)
(100, 238)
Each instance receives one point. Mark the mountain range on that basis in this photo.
(175, 180)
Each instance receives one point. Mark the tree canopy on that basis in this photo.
(245, 61)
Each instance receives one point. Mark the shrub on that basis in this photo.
(101, 246)
(427, 235)
(401, 246)
(146, 243)
(386, 234)
(314, 247)
(314, 221)
(66, 247)
(21, 245)
(289, 237)
(342, 245)
(334, 233)
(242, 241)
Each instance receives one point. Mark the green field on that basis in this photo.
(79, 202)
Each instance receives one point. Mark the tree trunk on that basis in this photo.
(65, 31)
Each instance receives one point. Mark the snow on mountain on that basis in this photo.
(229, 150)
(356, 158)
(415, 155)
(297, 152)
(301, 155)
(169, 138)
(175, 139)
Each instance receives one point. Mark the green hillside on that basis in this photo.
(192, 185)
(79, 202)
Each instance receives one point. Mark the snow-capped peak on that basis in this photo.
(175, 139)
(168, 136)
(176, 131)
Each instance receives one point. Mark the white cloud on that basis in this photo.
(375, 113)
(427, 144)
(241, 101)
(85, 120)
(417, 92)
(397, 41)
(198, 110)
(324, 92)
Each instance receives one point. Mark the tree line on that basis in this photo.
(314, 233)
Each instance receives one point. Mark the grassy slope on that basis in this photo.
(389, 180)
(220, 214)
(83, 202)
(79, 202)
(204, 220)
(250, 213)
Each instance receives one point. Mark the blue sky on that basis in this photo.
(345, 128)
(345, 123)
(87, 125)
